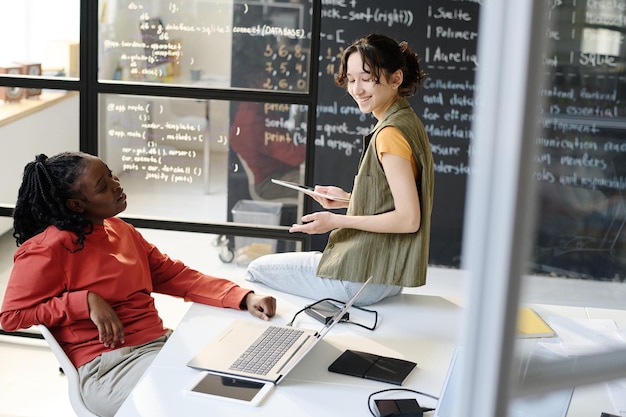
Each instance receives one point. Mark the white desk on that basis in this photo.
(421, 328)
(418, 328)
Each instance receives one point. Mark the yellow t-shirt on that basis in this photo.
(390, 140)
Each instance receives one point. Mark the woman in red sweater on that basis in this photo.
(88, 276)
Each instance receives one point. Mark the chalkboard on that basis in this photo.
(444, 34)
(581, 152)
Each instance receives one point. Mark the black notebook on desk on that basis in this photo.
(371, 366)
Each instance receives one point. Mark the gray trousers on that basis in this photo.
(108, 379)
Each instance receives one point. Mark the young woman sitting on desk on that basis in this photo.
(88, 276)
(385, 232)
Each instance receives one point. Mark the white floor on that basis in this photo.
(30, 383)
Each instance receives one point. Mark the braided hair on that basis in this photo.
(46, 185)
(384, 56)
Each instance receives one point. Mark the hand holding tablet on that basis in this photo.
(308, 190)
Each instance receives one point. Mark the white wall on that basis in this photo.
(30, 25)
(51, 130)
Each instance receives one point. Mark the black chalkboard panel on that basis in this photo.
(444, 34)
(581, 151)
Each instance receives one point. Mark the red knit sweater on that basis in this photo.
(50, 280)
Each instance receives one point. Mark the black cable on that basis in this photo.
(362, 325)
(369, 399)
(296, 315)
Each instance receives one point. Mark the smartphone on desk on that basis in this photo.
(230, 388)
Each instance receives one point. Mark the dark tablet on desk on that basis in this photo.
(230, 388)
(371, 366)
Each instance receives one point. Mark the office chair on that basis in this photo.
(76, 399)
(252, 188)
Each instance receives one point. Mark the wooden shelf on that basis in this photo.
(12, 111)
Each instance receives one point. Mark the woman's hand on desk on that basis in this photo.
(261, 306)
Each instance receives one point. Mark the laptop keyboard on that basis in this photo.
(267, 350)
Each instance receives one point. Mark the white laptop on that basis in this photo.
(223, 354)
(550, 404)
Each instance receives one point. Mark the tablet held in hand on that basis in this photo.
(307, 190)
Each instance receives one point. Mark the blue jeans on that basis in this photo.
(295, 273)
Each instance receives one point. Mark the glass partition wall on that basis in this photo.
(209, 153)
(197, 104)
(549, 157)
(39, 70)
(261, 45)
(35, 44)
(240, 74)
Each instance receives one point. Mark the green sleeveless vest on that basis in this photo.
(390, 258)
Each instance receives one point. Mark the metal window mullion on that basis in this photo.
(88, 79)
